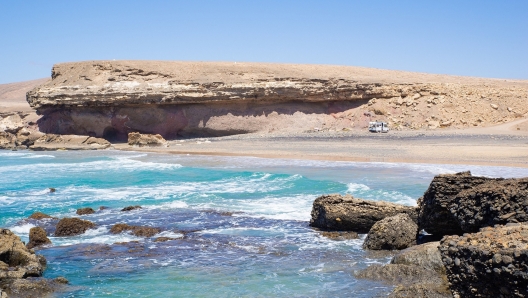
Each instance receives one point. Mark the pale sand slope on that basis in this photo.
(13, 95)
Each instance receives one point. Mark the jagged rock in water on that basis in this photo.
(39, 215)
(135, 230)
(37, 237)
(16, 260)
(393, 232)
(459, 203)
(489, 263)
(424, 255)
(72, 226)
(346, 213)
(148, 140)
(85, 211)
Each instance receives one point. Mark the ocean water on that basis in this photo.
(240, 224)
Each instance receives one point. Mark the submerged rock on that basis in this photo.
(85, 211)
(135, 230)
(393, 232)
(16, 260)
(130, 208)
(72, 226)
(346, 213)
(340, 235)
(34, 287)
(490, 263)
(37, 237)
(459, 203)
(142, 140)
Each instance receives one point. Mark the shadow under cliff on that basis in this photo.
(190, 120)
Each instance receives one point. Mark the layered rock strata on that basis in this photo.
(459, 203)
(112, 98)
(346, 213)
(490, 263)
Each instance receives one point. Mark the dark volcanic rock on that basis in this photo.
(84, 211)
(16, 260)
(490, 263)
(458, 203)
(37, 237)
(34, 287)
(346, 213)
(425, 255)
(130, 208)
(393, 232)
(136, 230)
(39, 215)
(412, 281)
(72, 226)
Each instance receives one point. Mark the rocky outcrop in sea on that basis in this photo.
(346, 213)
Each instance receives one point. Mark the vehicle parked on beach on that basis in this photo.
(378, 126)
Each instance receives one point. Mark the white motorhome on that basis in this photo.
(377, 126)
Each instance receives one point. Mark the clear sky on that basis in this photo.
(474, 38)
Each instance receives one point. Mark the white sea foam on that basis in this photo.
(22, 229)
(98, 236)
(357, 187)
(38, 156)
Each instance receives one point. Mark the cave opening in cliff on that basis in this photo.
(111, 134)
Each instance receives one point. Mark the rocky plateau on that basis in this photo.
(109, 99)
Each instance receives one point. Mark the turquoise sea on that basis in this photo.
(241, 222)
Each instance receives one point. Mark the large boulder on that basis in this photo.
(424, 255)
(16, 260)
(37, 237)
(50, 142)
(459, 203)
(490, 263)
(72, 226)
(393, 232)
(7, 140)
(346, 213)
(85, 211)
(143, 140)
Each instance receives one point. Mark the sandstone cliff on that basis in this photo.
(112, 98)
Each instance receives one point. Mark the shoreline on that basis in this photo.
(396, 147)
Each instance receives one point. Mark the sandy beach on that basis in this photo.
(490, 147)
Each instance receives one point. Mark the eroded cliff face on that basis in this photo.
(112, 98)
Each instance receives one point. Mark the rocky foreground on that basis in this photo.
(477, 256)
(109, 99)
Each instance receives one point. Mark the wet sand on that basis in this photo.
(472, 147)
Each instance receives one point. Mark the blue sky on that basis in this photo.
(473, 38)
